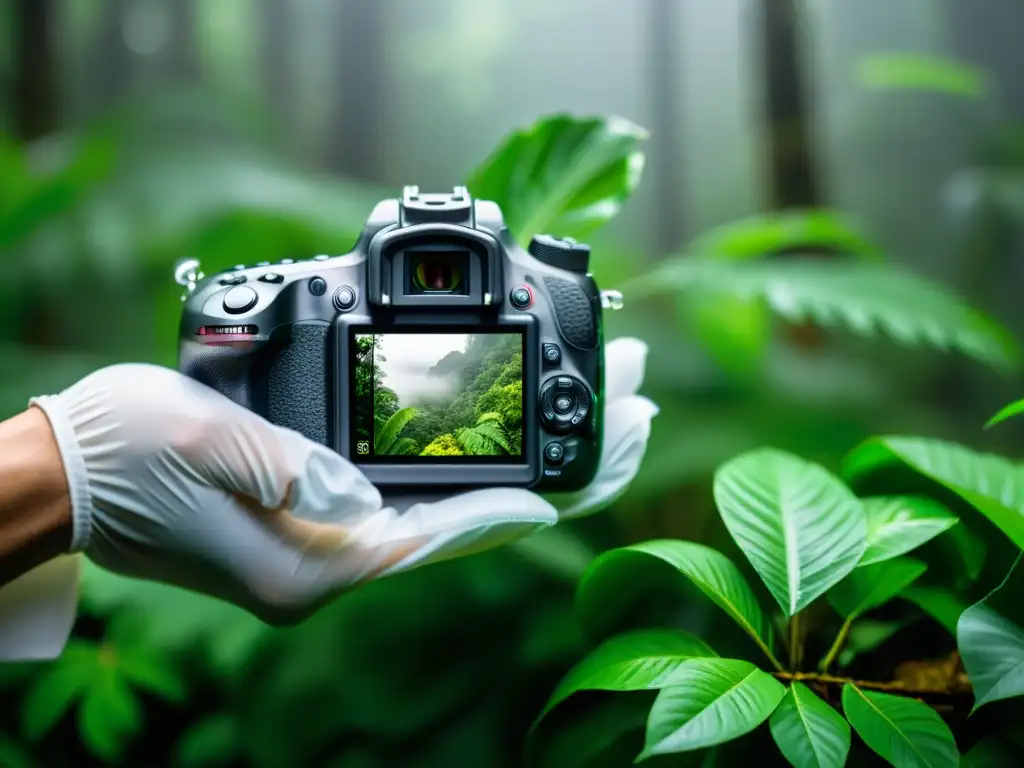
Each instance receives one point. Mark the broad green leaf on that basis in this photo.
(563, 175)
(990, 636)
(799, 526)
(1006, 412)
(213, 741)
(991, 484)
(904, 732)
(710, 571)
(874, 585)
(784, 232)
(919, 72)
(56, 689)
(109, 716)
(942, 605)
(808, 731)
(862, 297)
(633, 661)
(708, 702)
(991, 753)
(898, 524)
(734, 332)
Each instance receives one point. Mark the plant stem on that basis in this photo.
(870, 685)
(837, 645)
(768, 652)
(795, 642)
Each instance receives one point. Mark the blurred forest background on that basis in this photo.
(241, 130)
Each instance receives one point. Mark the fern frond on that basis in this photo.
(392, 429)
(866, 298)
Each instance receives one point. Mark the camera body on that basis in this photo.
(437, 353)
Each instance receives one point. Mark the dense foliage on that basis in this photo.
(479, 414)
(750, 637)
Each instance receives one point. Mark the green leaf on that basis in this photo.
(905, 732)
(1006, 412)
(710, 571)
(990, 636)
(941, 604)
(563, 175)
(633, 661)
(991, 484)
(809, 732)
(786, 231)
(898, 524)
(799, 526)
(862, 297)
(874, 585)
(919, 72)
(990, 753)
(56, 689)
(212, 741)
(110, 714)
(709, 702)
(385, 440)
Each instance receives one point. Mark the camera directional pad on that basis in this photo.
(564, 403)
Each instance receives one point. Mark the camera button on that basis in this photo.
(321, 257)
(240, 299)
(564, 404)
(233, 280)
(271, 277)
(554, 453)
(318, 286)
(521, 297)
(552, 354)
(344, 298)
(286, 261)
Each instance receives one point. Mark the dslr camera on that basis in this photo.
(436, 353)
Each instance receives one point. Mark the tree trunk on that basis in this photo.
(665, 66)
(35, 77)
(791, 172)
(357, 146)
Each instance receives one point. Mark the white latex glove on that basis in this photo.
(171, 481)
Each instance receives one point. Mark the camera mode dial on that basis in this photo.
(564, 403)
(561, 253)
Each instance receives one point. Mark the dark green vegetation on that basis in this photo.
(482, 417)
(451, 665)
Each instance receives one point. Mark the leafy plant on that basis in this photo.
(389, 441)
(811, 541)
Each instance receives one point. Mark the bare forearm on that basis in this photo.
(35, 511)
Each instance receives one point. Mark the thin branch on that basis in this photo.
(837, 645)
(895, 686)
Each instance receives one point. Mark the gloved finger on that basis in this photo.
(279, 467)
(626, 432)
(624, 361)
(389, 542)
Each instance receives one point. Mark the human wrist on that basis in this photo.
(35, 508)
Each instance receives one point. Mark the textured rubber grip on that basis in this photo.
(298, 383)
(574, 312)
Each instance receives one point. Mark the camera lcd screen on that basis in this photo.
(427, 397)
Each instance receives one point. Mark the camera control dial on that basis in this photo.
(564, 403)
(564, 253)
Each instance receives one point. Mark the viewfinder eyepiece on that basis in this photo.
(437, 272)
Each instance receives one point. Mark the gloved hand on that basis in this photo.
(171, 481)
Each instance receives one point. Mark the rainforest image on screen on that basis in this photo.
(441, 395)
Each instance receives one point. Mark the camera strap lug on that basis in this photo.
(611, 300)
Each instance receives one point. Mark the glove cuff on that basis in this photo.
(79, 492)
